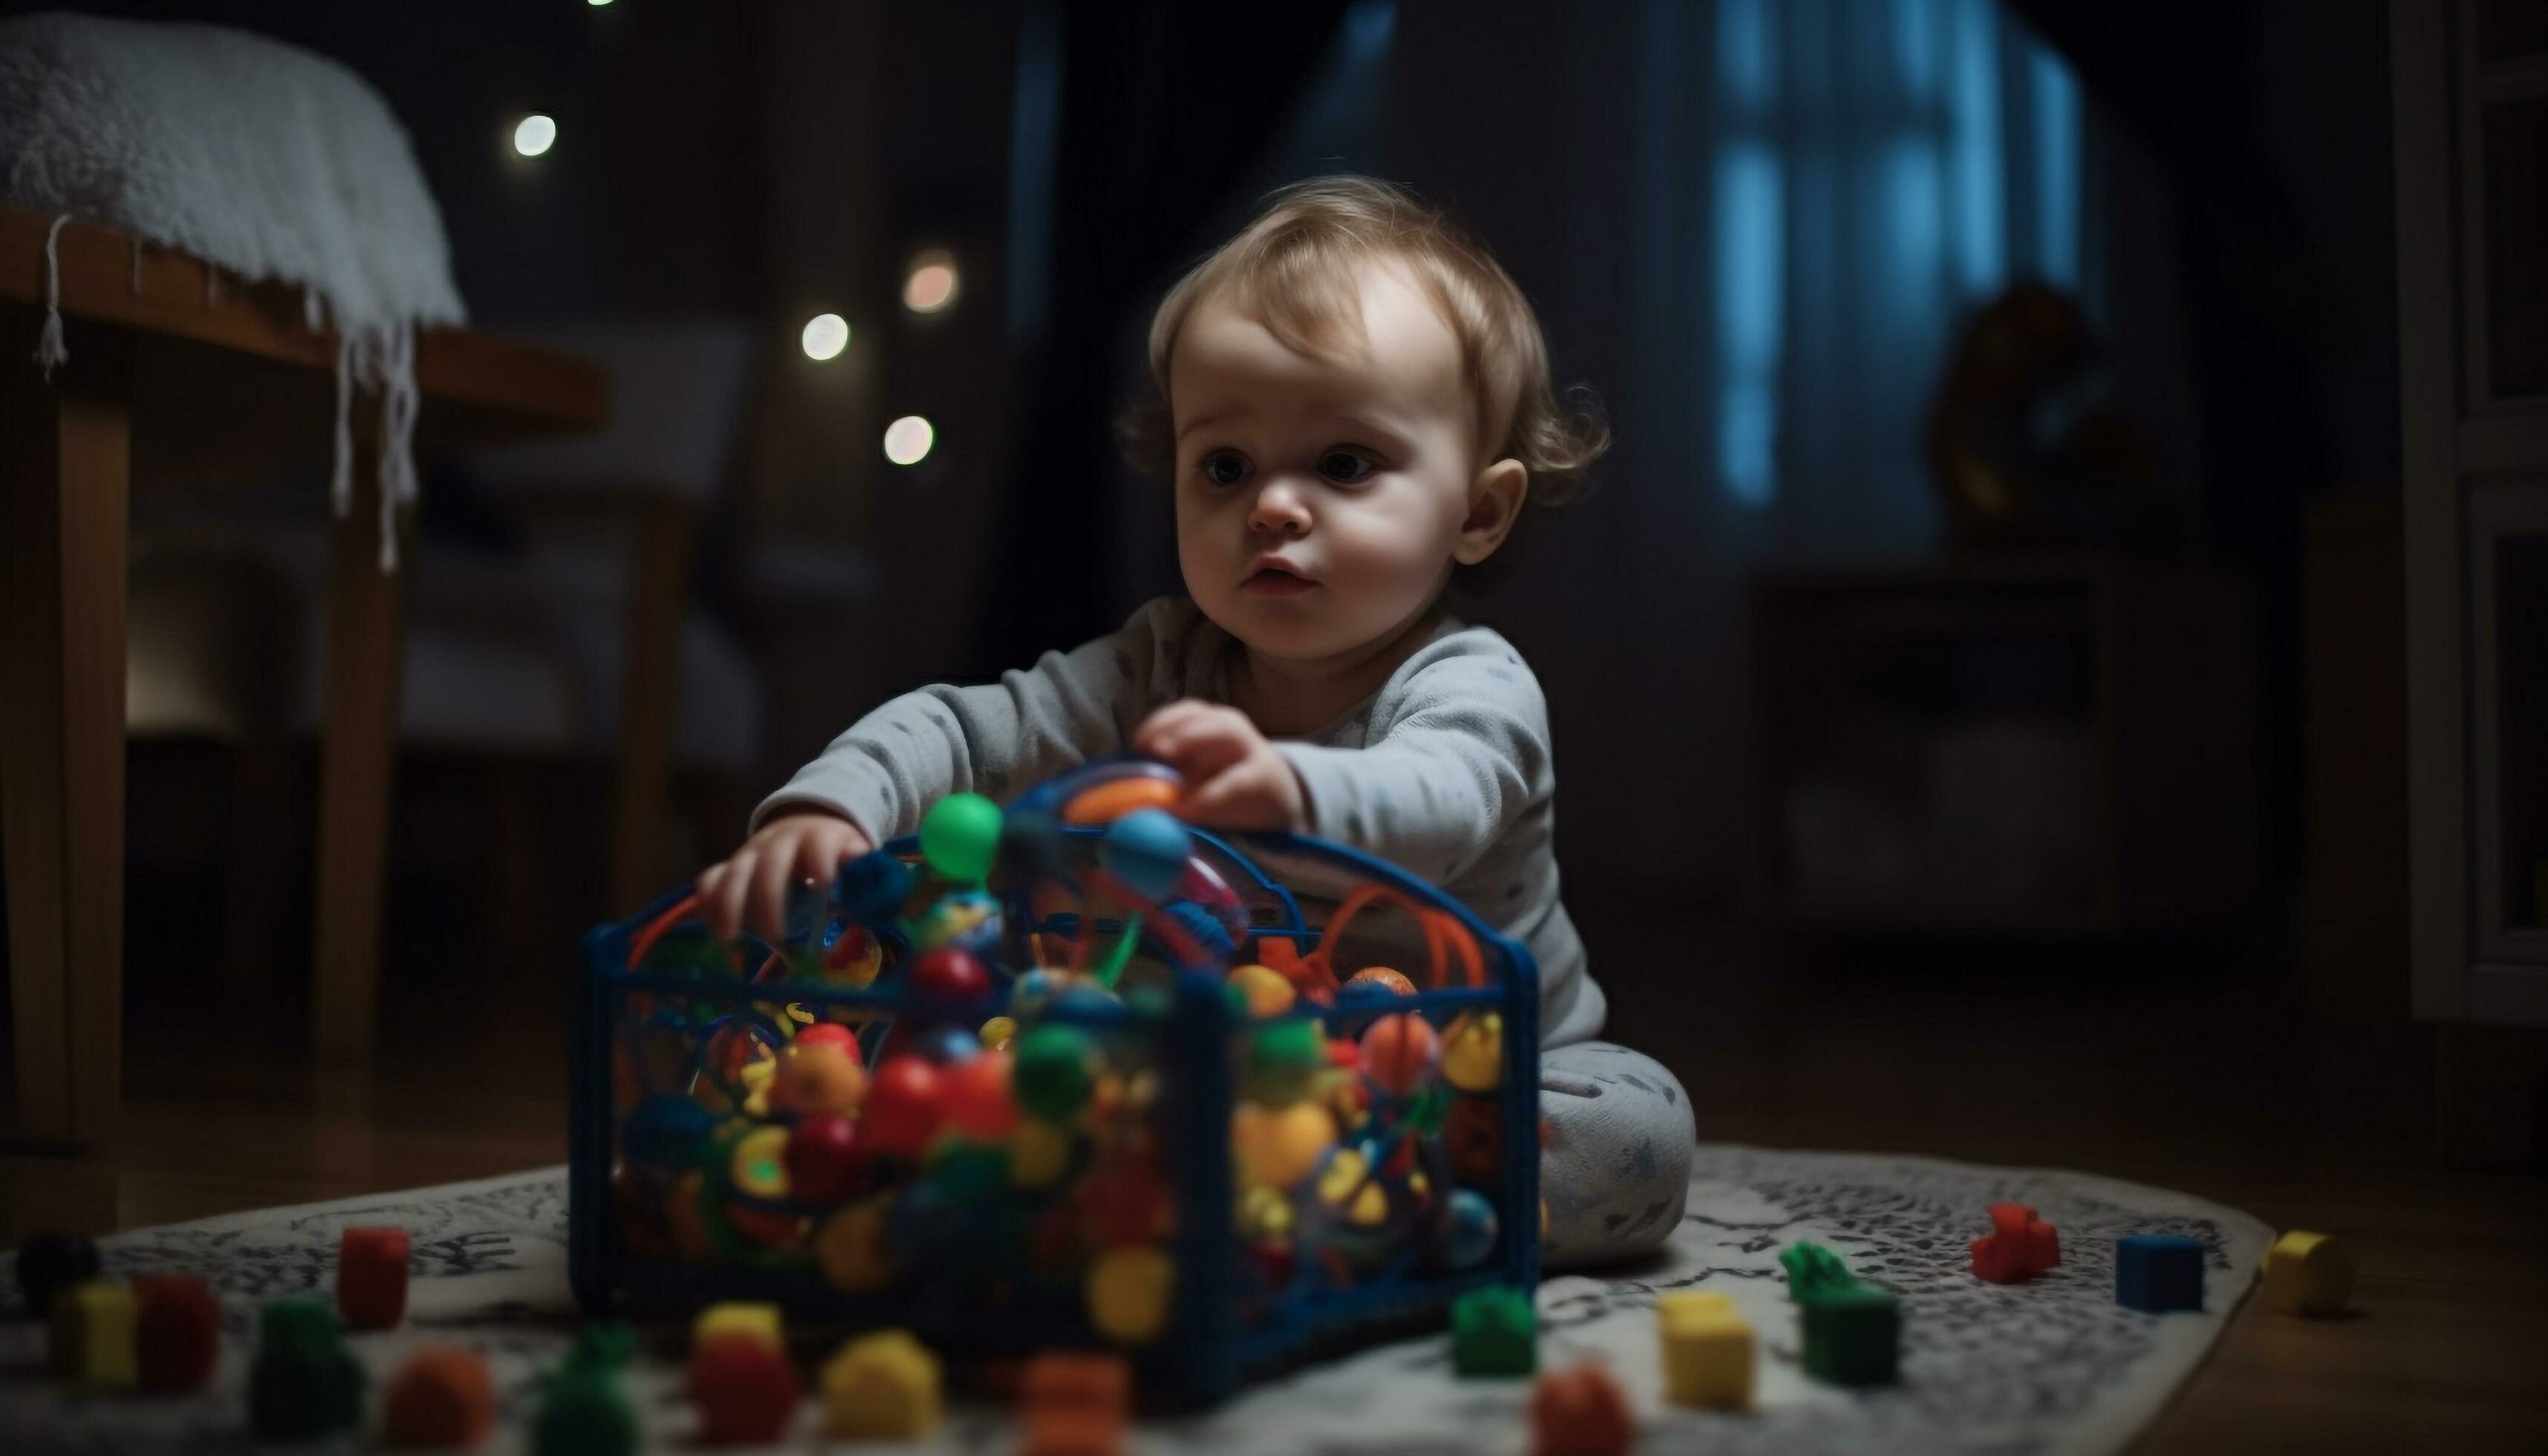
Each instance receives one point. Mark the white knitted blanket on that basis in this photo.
(260, 158)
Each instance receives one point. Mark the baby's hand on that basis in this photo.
(1235, 779)
(801, 845)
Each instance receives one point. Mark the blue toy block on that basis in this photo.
(2158, 1272)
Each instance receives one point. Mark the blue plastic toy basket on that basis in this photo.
(655, 1207)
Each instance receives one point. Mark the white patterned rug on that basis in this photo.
(2053, 1366)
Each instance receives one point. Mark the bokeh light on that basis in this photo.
(534, 135)
(929, 287)
(908, 441)
(826, 334)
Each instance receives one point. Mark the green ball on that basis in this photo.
(960, 835)
(1050, 1076)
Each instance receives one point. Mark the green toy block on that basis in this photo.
(1493, 1332)
(304, 1383)
(1813, 1269)
(1853, 1335)
(585, 1411)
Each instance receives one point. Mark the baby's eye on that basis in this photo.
(1223, 467)
(1346, 466)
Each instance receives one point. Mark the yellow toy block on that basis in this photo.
(1707, 1349)
(736, 1317)
(883, 1387)
(91, 1333)
(2307, 1274)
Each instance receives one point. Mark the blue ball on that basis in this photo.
(947, 1045)
(874, 887)
(1147, 849)
(1469, 1236)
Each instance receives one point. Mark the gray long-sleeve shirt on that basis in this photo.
(1446, 771)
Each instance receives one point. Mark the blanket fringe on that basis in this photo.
(50, 352)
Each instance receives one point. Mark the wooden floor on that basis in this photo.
(2137, 1066)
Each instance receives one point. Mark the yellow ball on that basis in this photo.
(1128, 1293)
(1278, 1147)
(852, 1248)
(1264, 990)
(1472, 1051)
(998, 1033)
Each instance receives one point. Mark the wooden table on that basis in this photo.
(176, 375)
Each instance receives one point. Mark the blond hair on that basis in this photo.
(1293, 270)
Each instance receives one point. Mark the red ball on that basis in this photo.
(747, 1392)
(830, 1034)
(977, 1100)
(824, 1160)
(951, 973)
(904, 1105)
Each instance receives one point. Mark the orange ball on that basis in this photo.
(1400, 1051)
(1377, 979)
(820, 1079)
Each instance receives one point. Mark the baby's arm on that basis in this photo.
(875, 780)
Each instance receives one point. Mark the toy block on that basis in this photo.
(1074, 1405)
(1708, 1354)
(1066, 1432)
(302, 1382)
(1494, 1332)
(2158, 1272)
(881, 1388)
(584, 1413)
(738, 1317)
(371, 1277)
(2307, 1274)
(1581, 1412)
(2019, 1246)
(1853, 1335)
(1813, 1269)
(440, 1397)
(745, 1388)
(177, 1333)
(47, 1264)
(91, 1333)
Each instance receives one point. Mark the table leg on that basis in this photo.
(357, 762)
(65, 475)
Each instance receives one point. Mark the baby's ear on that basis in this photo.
(1495, 502)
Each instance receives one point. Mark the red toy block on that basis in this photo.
(1074, 1405)
(177, 1336)
(746, 1391)
(1581, 1412)
(2019, 1246)
(440, 1397)
(371, 1277)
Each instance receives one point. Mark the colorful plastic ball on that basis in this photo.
(1472, 1051)
(977, 1097)
(1282, 1058)
(998, 1033)
(830, 1034)
(951, 973)
(960, 835)
(820, 1080)
(825, 1163)
(1054, 1072)
(664, 1134)
(1128, 1291)
(1347, 1184)
(1468, 1229)
(967, 920)
(1374, 981)
(854, 958)
(1278, 1147)
(746, 1392)
(1147, 849)
(904, 1105)
(872, 888)
(1400, 1051)
(1262, 990)
(852, 1249)
(1038, 1153)
(758, 1165)
(1033, 991)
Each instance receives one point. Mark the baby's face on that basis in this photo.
(1318, 499)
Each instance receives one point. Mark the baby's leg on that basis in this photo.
(1615, 1163)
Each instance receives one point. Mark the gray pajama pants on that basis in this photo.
(1615, 1165)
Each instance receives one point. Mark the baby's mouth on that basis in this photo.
(1275, 580)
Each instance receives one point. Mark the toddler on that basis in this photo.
(1353, 400)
